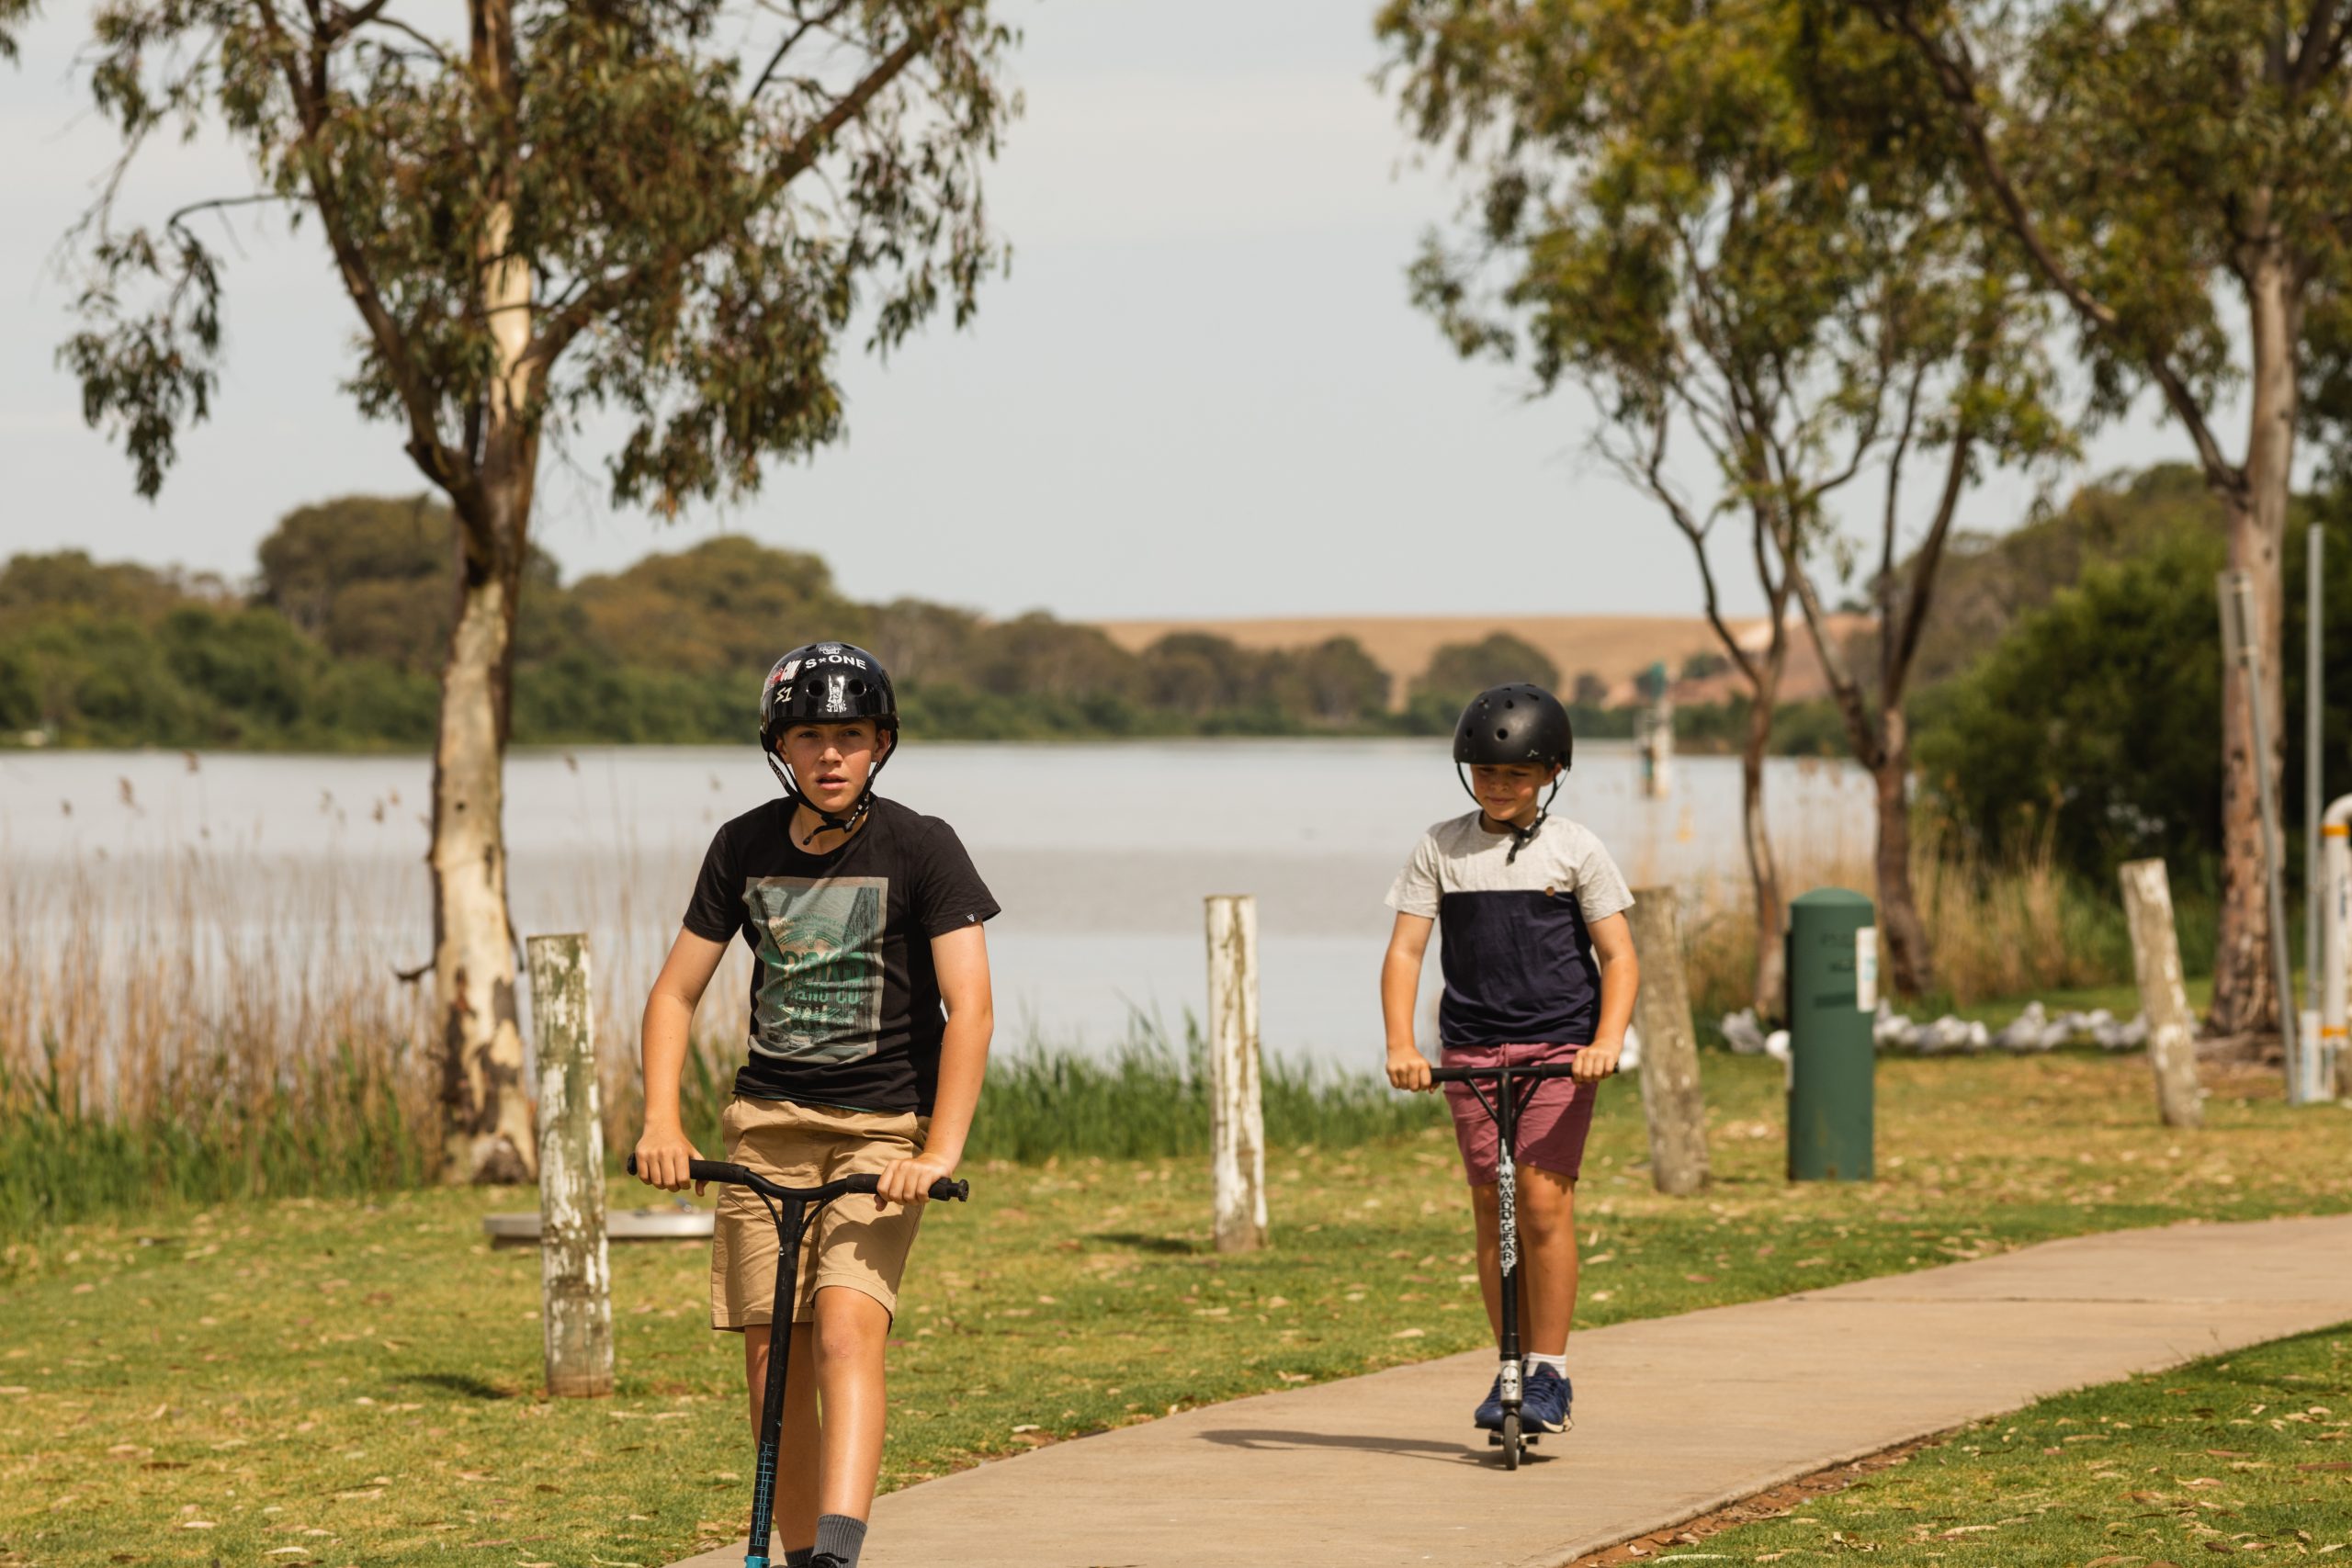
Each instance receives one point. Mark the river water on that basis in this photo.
(1101, 854)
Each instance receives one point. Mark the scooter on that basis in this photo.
(1512, 1085)
(793, 1209)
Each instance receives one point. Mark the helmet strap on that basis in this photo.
(831, 822)
(1520, 837)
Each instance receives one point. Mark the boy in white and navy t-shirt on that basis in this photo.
(1539, 967)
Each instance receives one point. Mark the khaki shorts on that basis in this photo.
(853, 1241)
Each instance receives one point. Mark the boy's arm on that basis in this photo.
(1620, 977)
(1400, 988)
(961, 959)
(664, 1149)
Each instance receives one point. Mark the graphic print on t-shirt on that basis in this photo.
(819, 956)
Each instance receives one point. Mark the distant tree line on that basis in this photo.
(337, 640)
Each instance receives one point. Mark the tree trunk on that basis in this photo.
(486, 1125)
(2245, 999)
(486, 1116)
(1903, 935)
(1755, 837)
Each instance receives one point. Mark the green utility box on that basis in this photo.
(1833, 1000)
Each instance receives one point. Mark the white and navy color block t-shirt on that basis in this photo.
(1515, 936)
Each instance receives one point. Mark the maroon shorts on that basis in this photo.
(1554, 1114)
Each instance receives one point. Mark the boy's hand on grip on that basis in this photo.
(1409, 1069)
(908, 1180)
(1596, 1061)
(662, 1157)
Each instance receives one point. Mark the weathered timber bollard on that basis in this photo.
(2155, 962)
(1237, 1115)
(1669, 1067)
(575, 1278)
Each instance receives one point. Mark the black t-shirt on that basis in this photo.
(845, 1007)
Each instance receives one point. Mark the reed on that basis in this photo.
(166, 1037)
(2014, 926)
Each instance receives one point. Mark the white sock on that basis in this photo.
(1557, 1363)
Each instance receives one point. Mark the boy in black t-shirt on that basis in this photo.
(870, 1020)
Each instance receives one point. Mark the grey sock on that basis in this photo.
(798, 1557)
(839, 1538)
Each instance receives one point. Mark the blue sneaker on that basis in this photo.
(1543, 1406)
(1488, 1416)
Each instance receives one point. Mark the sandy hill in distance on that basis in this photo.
(1615, 648)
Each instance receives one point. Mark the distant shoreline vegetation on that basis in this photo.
(335, 644)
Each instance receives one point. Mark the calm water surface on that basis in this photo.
(1099, 853)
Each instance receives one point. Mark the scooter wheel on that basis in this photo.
(1511, 1440)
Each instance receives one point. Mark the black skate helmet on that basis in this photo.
(827, 682)
(1520, 722)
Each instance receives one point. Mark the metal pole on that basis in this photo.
(2313, 617)
(2237, 629)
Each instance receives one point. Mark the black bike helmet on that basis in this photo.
(1520, 722)
(827, 682)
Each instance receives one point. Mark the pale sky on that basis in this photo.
(1202, 391)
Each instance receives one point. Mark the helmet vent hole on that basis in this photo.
(1502, 733)
(857, 688)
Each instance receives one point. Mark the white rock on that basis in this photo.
(1631, 1057)
(1742, 1032)
(1776, 1045)
(2024, 1032)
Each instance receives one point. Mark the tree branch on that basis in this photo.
(1923, 573)
(452, 472)
(1956, 79)
(559, 328)
(1653, 478)
(806, 27)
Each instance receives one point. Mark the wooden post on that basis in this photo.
(1237, 1115)
(2156, 960)
(575, 1278)
(1671, 1097)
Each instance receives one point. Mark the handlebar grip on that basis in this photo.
(704, 1171)
(944, 1189)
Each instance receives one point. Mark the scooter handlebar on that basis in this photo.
(1479, 1074)
(721, 1170)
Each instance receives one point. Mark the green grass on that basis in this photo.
(2243, 1453)
(188, 1384)
(346, 1129)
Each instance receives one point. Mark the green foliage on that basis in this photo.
(2094, 721)
(1460, 671)
(341, 1130)
(655, 213)
(343, 640)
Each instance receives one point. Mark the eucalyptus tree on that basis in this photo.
(1677, 211)
(2175, 171)
(646, 223)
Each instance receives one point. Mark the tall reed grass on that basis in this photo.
(165, 1036)
(2017, 926)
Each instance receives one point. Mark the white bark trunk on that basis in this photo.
(486, 1127)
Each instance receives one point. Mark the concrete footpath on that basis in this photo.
(1674, 1418)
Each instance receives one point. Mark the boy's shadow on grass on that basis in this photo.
(464, 1383)
(1176, 1244)
(1263, 1441)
